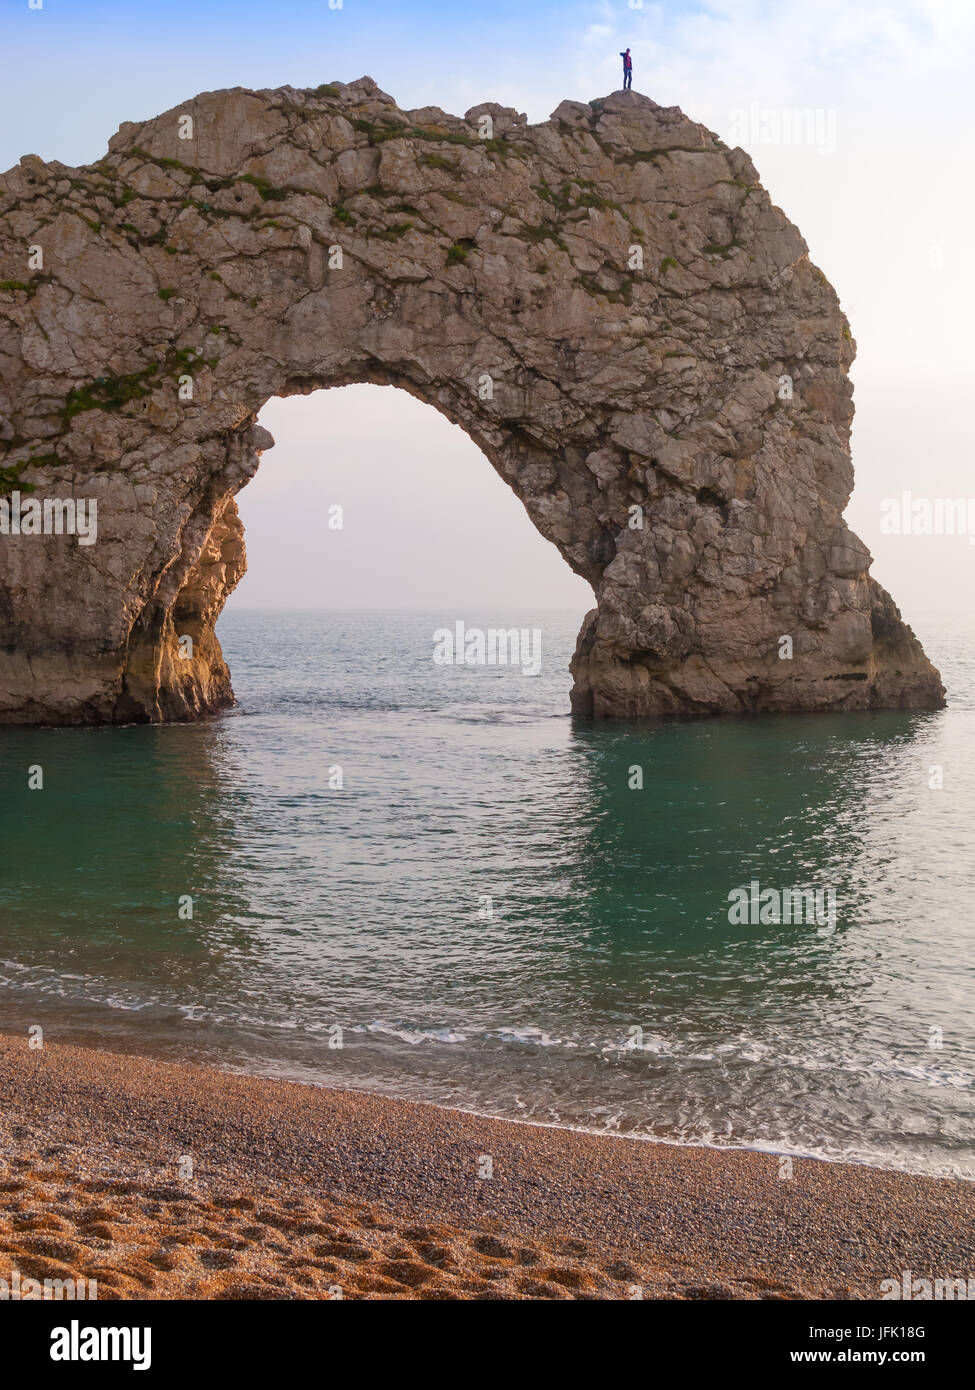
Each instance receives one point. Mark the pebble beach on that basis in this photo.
(164, 1181)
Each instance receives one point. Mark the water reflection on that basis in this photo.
(488, 910)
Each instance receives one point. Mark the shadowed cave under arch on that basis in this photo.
(617, 274)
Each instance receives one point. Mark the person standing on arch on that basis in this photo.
(627, 70)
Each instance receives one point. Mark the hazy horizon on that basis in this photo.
(426, 519)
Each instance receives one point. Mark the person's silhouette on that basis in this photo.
(627, 70)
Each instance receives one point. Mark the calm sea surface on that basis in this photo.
(487, 915)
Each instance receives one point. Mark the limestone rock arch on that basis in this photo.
(608, 303)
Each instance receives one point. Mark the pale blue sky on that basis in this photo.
(887, 209)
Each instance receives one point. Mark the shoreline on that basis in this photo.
(298, 1191)
(632, 1138)
(124, 1045)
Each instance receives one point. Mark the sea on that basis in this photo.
(386, 873)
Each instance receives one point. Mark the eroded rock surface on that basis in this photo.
(608, 303)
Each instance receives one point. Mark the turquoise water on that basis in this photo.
(366, 909)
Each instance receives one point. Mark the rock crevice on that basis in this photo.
(608, 303)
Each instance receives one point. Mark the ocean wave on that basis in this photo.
(655, 1048)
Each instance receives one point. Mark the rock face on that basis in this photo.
(607, 303)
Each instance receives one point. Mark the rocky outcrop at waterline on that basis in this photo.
(608, 303)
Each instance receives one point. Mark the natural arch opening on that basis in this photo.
(370, 499)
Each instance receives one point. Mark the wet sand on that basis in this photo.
(301, 1192)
